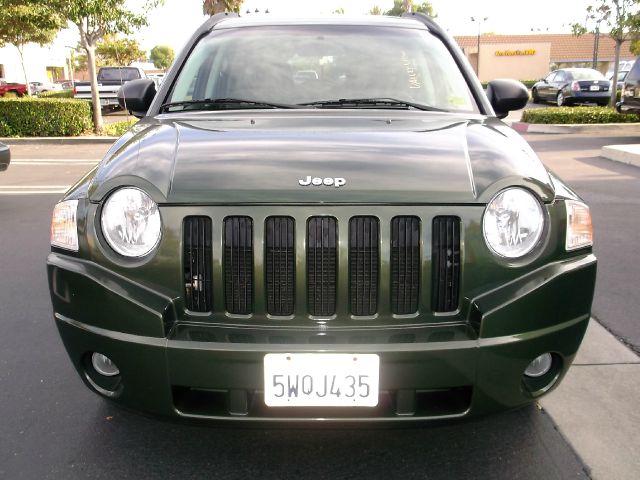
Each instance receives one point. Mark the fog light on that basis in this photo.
(539, 366)
(104, 365)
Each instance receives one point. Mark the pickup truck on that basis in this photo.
(18, 88)
(110, 79)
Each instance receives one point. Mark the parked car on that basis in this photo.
(110, 79)
(569, 86)
(5, 157)
(375, 244)
(66, 85)
(42, 87)
(18, 89)
(630, 94)
(621, 76)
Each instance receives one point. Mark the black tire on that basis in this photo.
(534, 96)
(560, 100)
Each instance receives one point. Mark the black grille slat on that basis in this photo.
(238, 265)
(197, 263)
(445, 264)
(322, 240)
(364, 262)
(280, 265)
(405, 264)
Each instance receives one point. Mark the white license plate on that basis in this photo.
(594, 88)
(321, 380)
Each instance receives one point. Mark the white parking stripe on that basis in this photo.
(32, 189)
(55, 160)
(32, 163)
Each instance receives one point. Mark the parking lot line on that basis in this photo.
(32, 189)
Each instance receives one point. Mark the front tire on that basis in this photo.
(534, 96)
(560, 100)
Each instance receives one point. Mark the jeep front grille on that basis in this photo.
(364, 263)
(322, 271)
(197, 263)
(280, 265)
(405, 264)
(296, 266)
(238, 265)
(445, 264)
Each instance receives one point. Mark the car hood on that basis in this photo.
(261, 157)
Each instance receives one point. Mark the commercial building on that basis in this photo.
(530, 57)
(47, 63)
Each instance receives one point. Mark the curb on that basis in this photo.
(629, 154)
(594, 128)
(58, 140)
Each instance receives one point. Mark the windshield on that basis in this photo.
(118, 74)
(314, 63)
(587, 74)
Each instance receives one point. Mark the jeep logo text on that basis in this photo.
(317, 181)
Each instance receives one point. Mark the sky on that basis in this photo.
(173, 23)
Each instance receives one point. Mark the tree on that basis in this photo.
(339, 11)
(376, 10)
(31, 23)
(402, 6)
(635, 47)
(211, 7)
(119, 51)
(96, 19)
(162, 56)
(622, 17)
(112, 51)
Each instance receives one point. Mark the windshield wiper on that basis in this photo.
(371, 103)
(222, 104)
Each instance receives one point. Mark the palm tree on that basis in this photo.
(211, 7)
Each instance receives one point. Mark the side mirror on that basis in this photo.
(5, 157)
(506, 95)
(136, 96)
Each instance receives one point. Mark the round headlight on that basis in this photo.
(131, 222)
(513, 223)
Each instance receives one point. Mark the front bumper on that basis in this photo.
(200, 371)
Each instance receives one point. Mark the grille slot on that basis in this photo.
(364, 261)
(322, 233)
(238, 265)
(405, 264)
(280, 265)
(197, 263)
(445, 264)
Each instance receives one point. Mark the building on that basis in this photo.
(42, 64)
(531, 57)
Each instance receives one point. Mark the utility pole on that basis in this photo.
(596, 44)
(479, 20)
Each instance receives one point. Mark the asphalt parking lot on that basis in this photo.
(53, 427)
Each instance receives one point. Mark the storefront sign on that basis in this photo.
(515, 53)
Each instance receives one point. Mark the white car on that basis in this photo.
(40, 87)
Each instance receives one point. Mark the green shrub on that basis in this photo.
(57, 94)
(577, 115)
(51, 117)
(118, 129)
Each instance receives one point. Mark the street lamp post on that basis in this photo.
(596, 44)
(479, 20)
(73, 81)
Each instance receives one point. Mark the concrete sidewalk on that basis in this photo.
(597, 406)
(623, 153)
